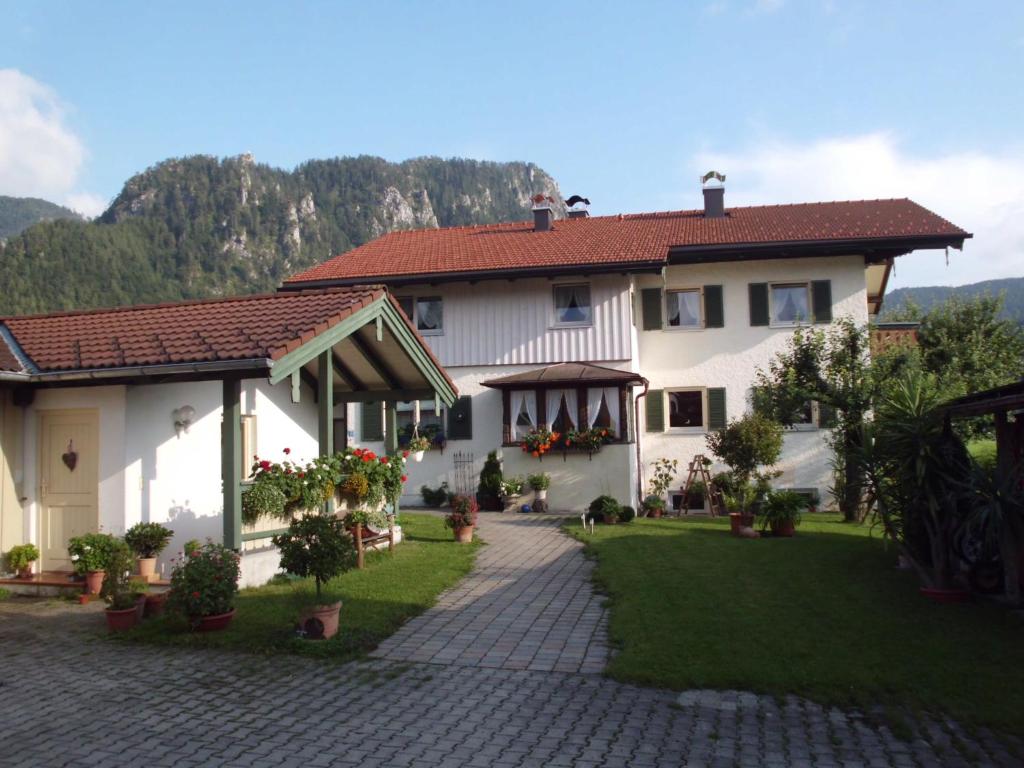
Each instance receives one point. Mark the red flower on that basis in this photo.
(357, 452)
(264, 464)
(404, 478)
(287, 451)
(287, 471)
(195, 594)
(302, 474)
(405, 454)
(366, 459)
(383, 459)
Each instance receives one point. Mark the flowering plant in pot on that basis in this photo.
(418, 445)
(148, 540)
(317, 546)
(540, 484)
(204, 583)
(782, 512)
(20, 559)
(539, 441)
(124, 597)
(462, 518)
(589, 440)
(89, 554)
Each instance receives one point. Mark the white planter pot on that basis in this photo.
(541, 494)
(418, 455)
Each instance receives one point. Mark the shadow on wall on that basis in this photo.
(187, 525)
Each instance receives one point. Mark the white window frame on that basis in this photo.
(416, 298)
(703, 428)
(690, 328)
(811, 426)
(772, 323)
(556, 323)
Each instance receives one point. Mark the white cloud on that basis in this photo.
(983, 192)
(40, 156)
(86, 203)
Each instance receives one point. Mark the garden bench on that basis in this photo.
(371, 538)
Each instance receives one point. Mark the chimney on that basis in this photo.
(713, 184)
(577, 213)
(543, 215)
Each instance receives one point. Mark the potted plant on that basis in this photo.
(606, 509)
(540, 484)
(462, 518)
(418, 445)
(746, 445)
(125, 601)
(782, 512)
(89, 554)
(148, 540)
(626, 514)
(511, 490)
(662, 477)
(204, 583)
(20, 559)
(488, 492)
(539, 441)
(317, 546)
(653, 506)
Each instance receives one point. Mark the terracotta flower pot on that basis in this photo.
(213, 623)
(94, 582)
(119, 621)
(735, 523)
(784, 528)
(610, 519)
(321, 621)
(464, 535)
(946, 596)
(655, 512)
(155, 604)
(147, 568)
(26, 572)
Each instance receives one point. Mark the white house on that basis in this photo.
(668, 316)
(154, 413)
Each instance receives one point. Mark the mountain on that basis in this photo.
(19, 213)
(201, 226)
(928, 296)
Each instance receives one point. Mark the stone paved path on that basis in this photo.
(70, 697)
(528, 604)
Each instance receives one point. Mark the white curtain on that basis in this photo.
(572, 406)
(611, 399)
(594, 397)
(551, 405)
(520, 400)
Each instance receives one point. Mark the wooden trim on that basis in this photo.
(231, 461)
(623, 416)
(325, 405)
(582, 409)
(373, 359)
(506, 417)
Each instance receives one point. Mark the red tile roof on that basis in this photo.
(218, 330)
(626, 239)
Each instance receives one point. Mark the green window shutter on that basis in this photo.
(650, 299)
(716, 408)
(826, 416)
(758, 303)
(372, 426)
(655, 410)
(821, 301)
(714, 313)
(460, 419)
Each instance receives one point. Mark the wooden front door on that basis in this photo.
(68, 482)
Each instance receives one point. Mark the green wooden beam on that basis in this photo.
(324, 341)
(257, 535)
(231, 462)
(379, 366)
(390, 426)
(378, 395)
(325, 405)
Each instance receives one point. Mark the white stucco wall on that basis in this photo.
(729, 357)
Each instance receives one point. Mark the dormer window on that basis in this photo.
(572, 305)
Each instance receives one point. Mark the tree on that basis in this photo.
(747, 444)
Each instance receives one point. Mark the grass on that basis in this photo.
(375, 602)
(823, 615)
(983, 452)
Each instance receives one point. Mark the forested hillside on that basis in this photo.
(202, 226)
(19, 213)
(926, 297)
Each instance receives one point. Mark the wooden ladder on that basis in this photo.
(699, 469)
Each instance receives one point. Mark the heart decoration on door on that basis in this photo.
(70, 457)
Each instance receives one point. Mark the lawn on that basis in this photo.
(824, 615)
(375, 602)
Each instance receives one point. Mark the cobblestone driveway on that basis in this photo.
(70, 697)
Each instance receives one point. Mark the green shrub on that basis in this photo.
(205, 581)
(489, 489)
(317, 546)
(782, 506)
(626, 514)
(148, 539)
(539, 482)
(263, 500)
(604, 508)
(22, 556)
(747, 444)
(119, 590)
(91, 551)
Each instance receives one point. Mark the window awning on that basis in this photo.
(568, 374)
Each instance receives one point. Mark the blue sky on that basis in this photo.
(623, 102)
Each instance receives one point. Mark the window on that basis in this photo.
(790, 303)
(603, 408)
(686, 408)
(248, 445)
(562, 409)
(572, 305)
(430, 423)
(523, 410)
(425, 312)
(684, 308)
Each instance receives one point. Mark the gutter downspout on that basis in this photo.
(639, 458)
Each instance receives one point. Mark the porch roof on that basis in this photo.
(577, 374)
(1009, 397)
(376, 353)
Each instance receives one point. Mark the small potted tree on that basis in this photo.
(746, 445)
(782, 512)
(204, 584)
(661, 480)
(317, 546)
(540, 484)
(147, 540)
(89, 554)
(606, 509)
(20, 559)
(125, 600)
(462, 518)
(488, 493)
